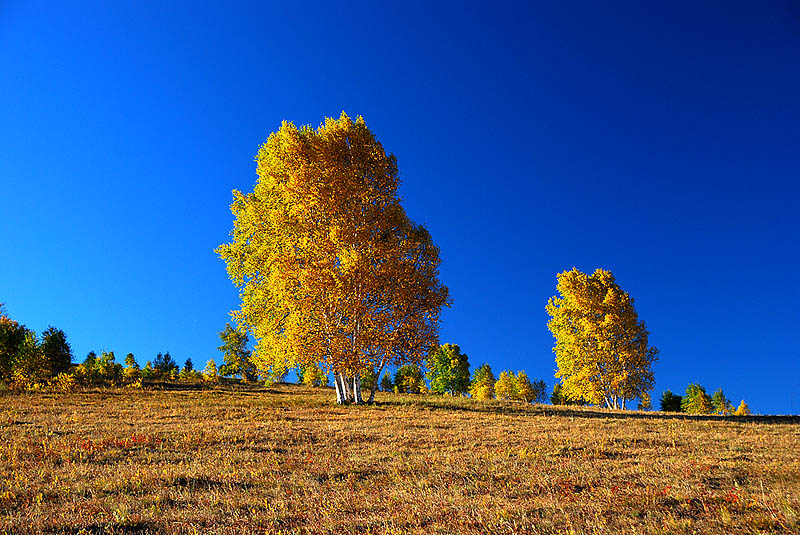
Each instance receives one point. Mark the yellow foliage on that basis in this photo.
(742, 410)
(601, 347)
(64, 381)
(506, 387)
(482, 392)
(330, 268)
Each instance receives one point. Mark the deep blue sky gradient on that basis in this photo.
(660, 141)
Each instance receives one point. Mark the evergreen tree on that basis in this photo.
(56, 351)
(131, 371)
(148, 372)
(671, 402)
(368, 378)
(12, 335)
(164, 365)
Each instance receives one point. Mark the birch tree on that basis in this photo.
(330, 269)
(601, 347)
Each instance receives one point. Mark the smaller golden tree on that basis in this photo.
(482, 385)
(506, 387)
(742, 410)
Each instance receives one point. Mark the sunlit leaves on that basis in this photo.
(330, 268)
(601, 348)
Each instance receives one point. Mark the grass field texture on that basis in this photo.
(288, 460)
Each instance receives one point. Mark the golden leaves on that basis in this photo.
(601, 347)
(329, 266)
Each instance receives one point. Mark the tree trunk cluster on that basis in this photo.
(348, 387)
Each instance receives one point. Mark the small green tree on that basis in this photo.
(28, 368)
(187, 372)
(165, 366)
(238, 359)
(558, 397)
(148, 372)
(131, 371)
(506, 387)
(482, 385)
(12, 335)
(448, 370)
(387, 385)
(721, 404)
(696, 400)
(56, 351)
(645, 402)
(742, 410)
(671, 402)
(107, 369)
(408, 379)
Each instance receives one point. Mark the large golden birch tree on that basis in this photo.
(330, 269)
(601, 347)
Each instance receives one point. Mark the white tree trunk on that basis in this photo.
(348, 395)
(357, 389)
(340, 397)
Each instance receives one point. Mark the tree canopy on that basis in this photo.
(601, 347)
(330, 269)
(448, 370)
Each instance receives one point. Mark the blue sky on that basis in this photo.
(658, 141)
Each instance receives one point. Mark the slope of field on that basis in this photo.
(288, 460)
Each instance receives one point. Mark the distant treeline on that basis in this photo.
(30, 362)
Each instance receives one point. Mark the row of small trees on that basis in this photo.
(697, 401)
(29, 361)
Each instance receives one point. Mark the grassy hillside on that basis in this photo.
(288, 460)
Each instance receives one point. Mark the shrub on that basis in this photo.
(64, 381)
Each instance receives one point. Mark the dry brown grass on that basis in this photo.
(289, 460)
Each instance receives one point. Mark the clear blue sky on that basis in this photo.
(660, 141)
